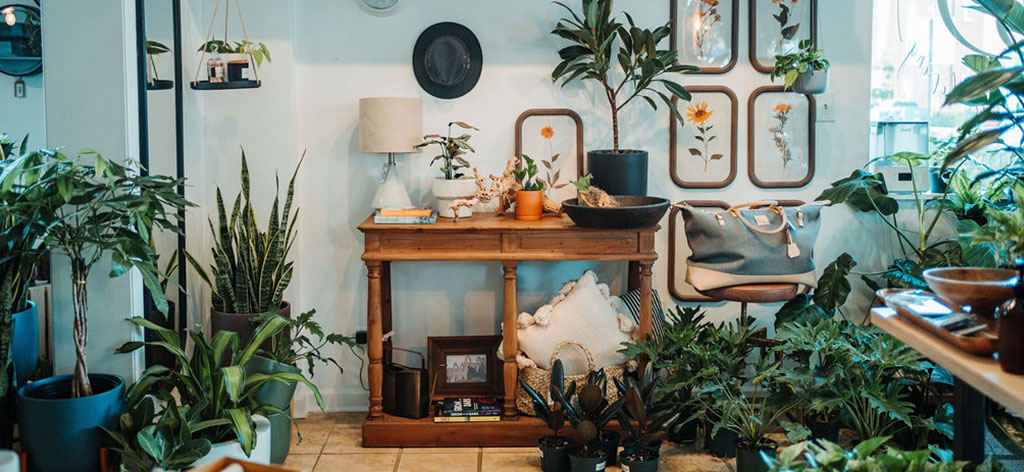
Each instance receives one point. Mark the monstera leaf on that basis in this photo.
(862, 190)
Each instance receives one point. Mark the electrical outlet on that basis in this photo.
(361, 337)
(826, 107)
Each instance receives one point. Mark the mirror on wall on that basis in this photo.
(21, 40)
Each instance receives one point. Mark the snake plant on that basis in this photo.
(250, 268)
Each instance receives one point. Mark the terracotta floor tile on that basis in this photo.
(357, 462)
(693, 463)
(518, 450)
(313, 439)
(440, 450)
(511, 461)
(302, 463)
(438, 462)
(348, 439)
(349, 418)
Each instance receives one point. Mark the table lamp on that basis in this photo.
(390, 126)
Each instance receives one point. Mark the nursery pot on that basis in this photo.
(25, 342)
(608, 442)
(64, 434)
(260, 452)
(280, 435)
(446, 191)
(619, 173)
(811, 82)
(723, 444)
(581, 463)
(529, 205)
(273, 393)
(827, 430)
(683, 431)
(241, 323)
(750, 460)
(554, 453)
(629, 446)
(938, 181)
(157, 355)
(640, 460)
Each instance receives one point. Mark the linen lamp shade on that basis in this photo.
(390, 125)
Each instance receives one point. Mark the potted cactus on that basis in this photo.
(554, 449)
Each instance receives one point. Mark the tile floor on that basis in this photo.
(332, 442)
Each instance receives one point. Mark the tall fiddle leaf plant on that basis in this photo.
(641, 65)
(106, 208)
(250, 268)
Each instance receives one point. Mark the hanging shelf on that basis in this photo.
(159, 84)
(235, 84)
(197, 84)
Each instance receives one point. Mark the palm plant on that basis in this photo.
(250, 270)
(593, 56)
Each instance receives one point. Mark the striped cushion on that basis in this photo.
(632, 301)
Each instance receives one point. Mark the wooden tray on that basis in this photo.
(983, 343)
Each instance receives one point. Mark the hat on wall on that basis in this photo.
(447, 60)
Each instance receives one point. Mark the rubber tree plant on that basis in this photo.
(106, 209)
(589, 410)
(623, 59)
(554, 447)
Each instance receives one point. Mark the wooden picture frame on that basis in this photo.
(675, 138)
(678, 250)
(565, 190)
(812, 18)
(753, 138)
(675, 15)
(474, 381)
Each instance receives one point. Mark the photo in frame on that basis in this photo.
(780, 138)
(705, 33)
(679, 250)
(777, 27)
(464, 366)
(553, 137)
(702, 151)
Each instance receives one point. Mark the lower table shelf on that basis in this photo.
(394, 431)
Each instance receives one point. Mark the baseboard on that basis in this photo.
(335, 400)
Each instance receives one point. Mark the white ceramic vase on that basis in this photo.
(447, 191)
(260, 452)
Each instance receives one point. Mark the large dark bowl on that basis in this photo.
(634, 212)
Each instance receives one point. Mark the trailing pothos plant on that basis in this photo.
(807, 59)
(251, 269)
(593, 55)
(305, 344)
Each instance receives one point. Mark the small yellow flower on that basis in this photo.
(698, 113)
(547, 132)
(783, 108)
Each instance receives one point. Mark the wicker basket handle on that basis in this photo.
(586, 352)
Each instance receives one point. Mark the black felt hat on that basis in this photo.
(447, 60)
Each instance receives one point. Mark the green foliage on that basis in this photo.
(551, 410)
(258, 51)
(214, 394)
(752, 417)
(306, 343)
(790, 66)
(588, 410)
(594, 34)
(1003, 235)
(250, 270)
(526, 174)
(582, 184)
(825, 456)
(452, 150)
(146, 441)
(645, 406)
(154, 48)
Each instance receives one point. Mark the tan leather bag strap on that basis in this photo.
(773, 206)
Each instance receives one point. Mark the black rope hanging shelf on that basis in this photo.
(229, 73)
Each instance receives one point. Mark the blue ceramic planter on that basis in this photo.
(25, 349)
(64, 434)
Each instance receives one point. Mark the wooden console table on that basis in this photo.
(484, 237)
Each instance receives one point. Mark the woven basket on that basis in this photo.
(539, 379)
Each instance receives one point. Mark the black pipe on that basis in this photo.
(143, 106)
(179, 145)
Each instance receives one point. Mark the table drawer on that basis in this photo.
(414, 242)
(566, 243)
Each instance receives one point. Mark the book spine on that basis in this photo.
(466, 419)
(405, 220)
(405, 212)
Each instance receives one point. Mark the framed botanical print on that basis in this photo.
(777, 27)
(554, 138)
(466, 366)
(702, 150)
(705, 32)
(780, 138)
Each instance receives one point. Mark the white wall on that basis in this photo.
(328, 54)
(21, 116)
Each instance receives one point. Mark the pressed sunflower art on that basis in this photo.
(778, 132)
(553, 172)
(698, 114)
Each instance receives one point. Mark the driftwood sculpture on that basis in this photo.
(502, 191)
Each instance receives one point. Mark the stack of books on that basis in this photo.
(405, 216)
(467, 410)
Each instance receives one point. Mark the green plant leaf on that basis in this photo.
(833, 286)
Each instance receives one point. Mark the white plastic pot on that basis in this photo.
(260, 452)
(447, 191)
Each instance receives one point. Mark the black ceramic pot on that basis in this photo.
(619, 173)
(554, 453)
(640, 461)
(723, 444)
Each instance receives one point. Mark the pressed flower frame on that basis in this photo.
(780, 138)
(771, 36)
(705, 33)
(703, 151)
(554, 138)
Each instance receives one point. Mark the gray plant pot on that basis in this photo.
(812, 82)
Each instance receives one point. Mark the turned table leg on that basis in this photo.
(510, 346)
(646, 305)
(374, 335)
(385, 302)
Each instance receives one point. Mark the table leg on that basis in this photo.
(385, 302)
(374, 335)
(968, 423)
(646, 305)
(510, 343)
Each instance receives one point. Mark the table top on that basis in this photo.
(489, 221)
(982, 373)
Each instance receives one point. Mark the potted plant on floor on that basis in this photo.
(251, 268)
(589, 413)
(626, 62)
(305, 345)
(214, 393)
(641, 450)
(554, 449)
(820, 360)
(805, 70)
(453, 184)
(529, 198)
(826, 456)
(106, 209)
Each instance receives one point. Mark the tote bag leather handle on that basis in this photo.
(772, 205)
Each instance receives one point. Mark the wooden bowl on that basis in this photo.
(634, 212)
(982, 289)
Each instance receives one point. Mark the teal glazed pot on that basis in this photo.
(25, 345)
(280, 436)
(619, 173)
(64, 434)
(273, 393)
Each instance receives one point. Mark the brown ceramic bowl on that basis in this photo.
(981, 289)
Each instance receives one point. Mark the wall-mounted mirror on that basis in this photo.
(21, 40)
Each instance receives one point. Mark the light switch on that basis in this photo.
(826, 107)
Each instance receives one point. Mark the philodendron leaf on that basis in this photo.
(833, 286)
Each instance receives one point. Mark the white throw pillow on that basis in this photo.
(582, 311)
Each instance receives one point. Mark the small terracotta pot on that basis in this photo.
(529, 205)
